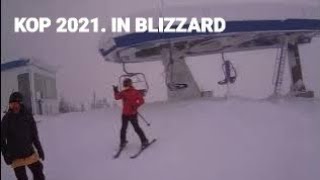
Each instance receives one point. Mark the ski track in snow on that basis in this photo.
(198, 139)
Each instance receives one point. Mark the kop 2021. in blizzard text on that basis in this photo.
(120, 25)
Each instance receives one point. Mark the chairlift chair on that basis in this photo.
(139, 81)
(229, 71)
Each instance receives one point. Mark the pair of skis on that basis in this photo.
(117, 155)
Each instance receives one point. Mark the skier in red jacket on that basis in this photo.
(132, 99)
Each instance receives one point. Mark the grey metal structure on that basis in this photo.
(172, 48)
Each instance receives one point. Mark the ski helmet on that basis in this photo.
(16, 97)
(127, 82)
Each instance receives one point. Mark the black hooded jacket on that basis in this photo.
(18, 135)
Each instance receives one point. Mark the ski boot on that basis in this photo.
(145, 144)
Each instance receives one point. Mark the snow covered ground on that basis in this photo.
(198, 139)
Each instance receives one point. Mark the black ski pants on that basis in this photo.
(36, 169)
(133, 119)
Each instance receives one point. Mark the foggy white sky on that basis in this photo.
(83, 71)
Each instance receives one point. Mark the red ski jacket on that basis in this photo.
(131, 99)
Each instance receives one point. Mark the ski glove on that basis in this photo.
(134, 108)
(115, 89)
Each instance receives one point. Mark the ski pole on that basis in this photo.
(144, 119)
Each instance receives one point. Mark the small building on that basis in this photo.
(35, 80)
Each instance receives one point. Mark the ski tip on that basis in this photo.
(142, 149)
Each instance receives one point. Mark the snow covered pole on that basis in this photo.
(298, 87)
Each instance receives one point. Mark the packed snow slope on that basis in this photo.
(197, 140)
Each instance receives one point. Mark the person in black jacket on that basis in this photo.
(19, 136)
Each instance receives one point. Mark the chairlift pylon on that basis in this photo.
(171, 85)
